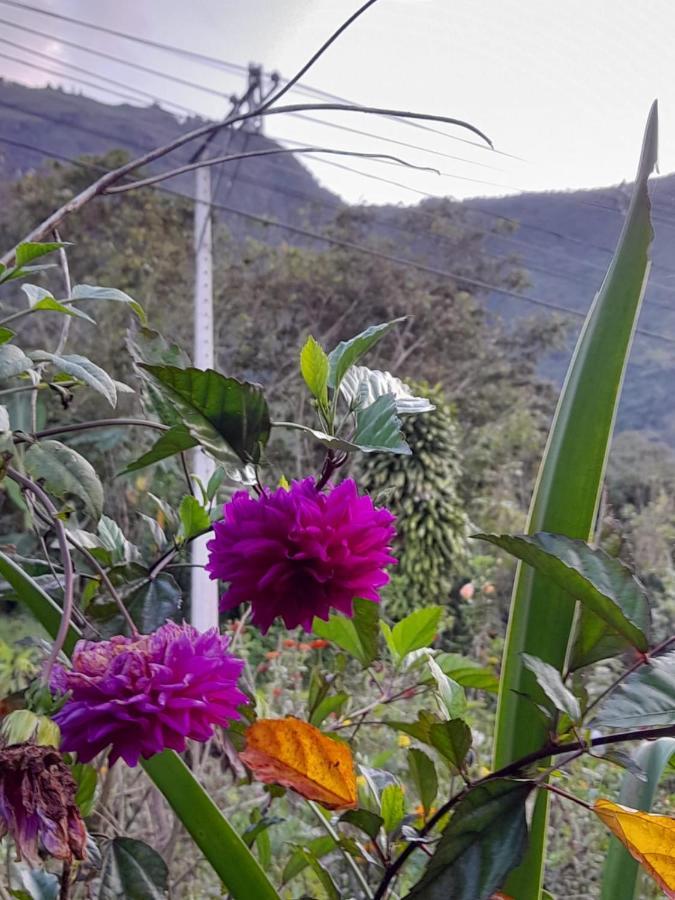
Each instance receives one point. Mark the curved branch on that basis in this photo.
(87, 426)
(203, 163)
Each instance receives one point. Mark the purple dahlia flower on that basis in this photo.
(296, 553)
(140, 695)
(37, 804)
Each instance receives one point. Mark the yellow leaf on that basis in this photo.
(650, 839)
(298, 756)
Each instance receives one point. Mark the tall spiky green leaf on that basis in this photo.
(567, 492)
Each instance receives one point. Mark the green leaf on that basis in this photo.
(112, 539)
(330, 890)
(39, 885)
(419, 729)
(259, 825)
(451, 694)
(483, 842)
(551, 683)
(39, 298)
(4, 419)
(91, 292)
(600, 582)
(6, 334)
(152, 603)
(85, 777)
(645, 699)
(176, 440)
(132, 871)
(378, 428)
(621, 874)
(84, 370)
(358, 635)
(417, 630)
(297, 862)
(467, 672)
(567, 495)
(349, 352)
(368, 822)
(326, 706)
(31, 250)
(361, 387)
(193, 518)
(225, 415)
(13, 361)
(392, 807)
(65, 474)
(215, 482)
(314, 367)
(452, 740)
(423, 774)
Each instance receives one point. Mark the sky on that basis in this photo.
(561, 88)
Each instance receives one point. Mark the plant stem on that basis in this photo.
(67, 320)
(556, 790)
(87, 426)
(351, 862)
(35, 489)
(34, 387)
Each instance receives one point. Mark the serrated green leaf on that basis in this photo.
(358, 635)
(450, 693)
(83, 369)
(423, 774)
(327, 705)
(467, 672)
(484, 840)
(362, 386)
(452, 740)
(551, 683)
(368, 822)
(416, 631)
(314, 368)
(132, 870)
(645, 699)
(419, 729)
(318, 847)
(65, 474)
(193, 518)
(228, 417)
(349, 352)
(378, 428)
(392, 807)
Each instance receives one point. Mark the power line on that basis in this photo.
(360, 248)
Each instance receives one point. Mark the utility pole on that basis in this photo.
(203, 591)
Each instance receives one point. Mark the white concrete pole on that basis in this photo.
(204, 592)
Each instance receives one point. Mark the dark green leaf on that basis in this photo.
(132, 871)
(39, 298)
(645, 699)
(330, 890)
(467, 672)
(314, 367)
(451, 694)
(91, 292)
(84, 370)
(423, 773)
(484, 840)
(597, 580)
(215, 482)
(154, 602)
(193, 518)
(349, 352)
(452, 740)
(223, 414)
(326, 706)
(417, 630)
(176, 440)
(551, 683)
(113, 540)
(368, 822)
(358, 635)
(65, 474)
(13, 361)
(420, 729)
(250, 835)
(392, 805)
(317, 847)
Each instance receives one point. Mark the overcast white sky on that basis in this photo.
(563, 84)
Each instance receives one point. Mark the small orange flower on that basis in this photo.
(289, 643)
(304, 647)
(272, 654)
(319, 644)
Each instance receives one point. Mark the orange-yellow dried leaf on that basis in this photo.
(500, 896)
(298, 756)
(647, 837)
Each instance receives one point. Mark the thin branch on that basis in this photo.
(99, 186)
(87, 426)
(65, 269)
(37, 387)
(35, 489)
(165, 559)
(251, 154)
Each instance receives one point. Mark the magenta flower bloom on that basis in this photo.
(140, 695)
(37, 804)
(296, 553)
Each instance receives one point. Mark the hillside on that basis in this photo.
(562, 240)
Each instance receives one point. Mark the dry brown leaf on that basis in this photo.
(297, 755)
(650, 839)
